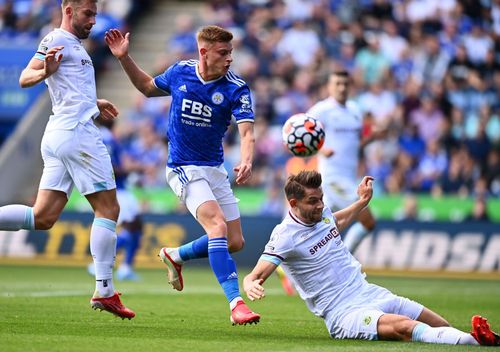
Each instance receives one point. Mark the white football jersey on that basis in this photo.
(72, 87)
(342, 125)
(315, 259)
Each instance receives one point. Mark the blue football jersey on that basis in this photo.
(201, 112)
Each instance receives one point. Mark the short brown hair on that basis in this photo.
(214, 34)
(296, 185)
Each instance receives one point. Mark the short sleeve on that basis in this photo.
(49, 41)
(242, 105)
(164, 80)
(279, 247)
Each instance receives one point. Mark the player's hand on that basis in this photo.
(254, 290)
(244, 171)
(108, 110)
(52, 60)
(365, 189)
(328, 152)
(118, 44)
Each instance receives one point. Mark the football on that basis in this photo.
(303, 135)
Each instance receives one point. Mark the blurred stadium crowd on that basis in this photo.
(426, 72)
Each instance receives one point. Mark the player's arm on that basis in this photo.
(244, 169)
(252, 283)
(38, 70)
(108, 110)
(119, 44)
(347, 215)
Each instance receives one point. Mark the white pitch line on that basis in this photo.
(74, 293)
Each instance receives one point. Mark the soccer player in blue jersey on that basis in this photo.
(206, 95)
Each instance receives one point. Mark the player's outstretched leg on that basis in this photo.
(224, 269)
(113, 305)
(482, 332)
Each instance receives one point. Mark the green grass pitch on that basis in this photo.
(47, 309)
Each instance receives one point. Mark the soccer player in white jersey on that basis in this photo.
(206, 96)
(308, 245)
(72, 149)
(339, 157)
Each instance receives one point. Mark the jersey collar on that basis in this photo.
(297, 220)
(201, 79)
(68, 34)
(335, 103)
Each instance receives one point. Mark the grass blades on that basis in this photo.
(47, 309)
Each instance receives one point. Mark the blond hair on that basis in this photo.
(213, 34)
(73, 2)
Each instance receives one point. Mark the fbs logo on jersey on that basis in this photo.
(217, 98)
(194, 110)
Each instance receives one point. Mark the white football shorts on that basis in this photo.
(339, 193)
(76, 157)
(359, 319)
(129, 206)
(195, 185)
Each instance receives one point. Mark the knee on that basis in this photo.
(369, 225)
(218, 227)
(404, 330)
(115, 210)
(236, 245)
(112, 211)
(44, 222)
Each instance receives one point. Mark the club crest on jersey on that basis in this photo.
(47, 39)
(217, 98)
(326, 220)
(245, 99)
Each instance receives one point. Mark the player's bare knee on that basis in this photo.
(217, 227)
(115, 210)
(235, 245)
(369, 224)
(44, 222)
(110, 211)
(404, 329)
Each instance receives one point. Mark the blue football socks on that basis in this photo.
(223, 267)
(195, 249)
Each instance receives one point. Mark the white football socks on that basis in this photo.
(354, 236)
(103, 250)
(16, 217)
(445, 335)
